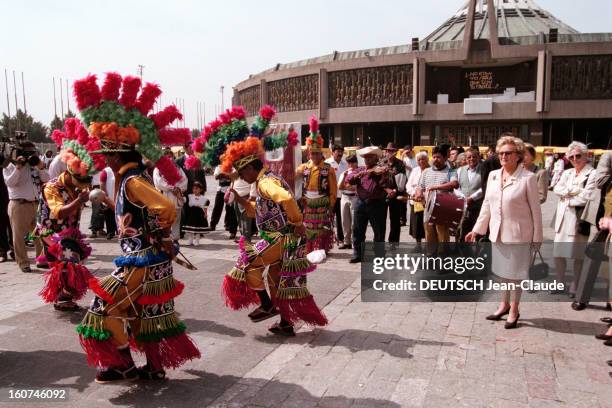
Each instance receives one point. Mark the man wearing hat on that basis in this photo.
(373, 186)
(397, 170)
(319, 193)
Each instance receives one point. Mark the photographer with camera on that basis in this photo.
(24, 176)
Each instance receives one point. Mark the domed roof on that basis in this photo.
(515, 18)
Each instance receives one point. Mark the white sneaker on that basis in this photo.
(190, 241)
(196, 242)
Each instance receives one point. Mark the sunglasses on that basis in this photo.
(575, 157)
(510, 153)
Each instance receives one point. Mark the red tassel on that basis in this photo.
(164, 297)
(314, 124)
(192, 163)
(237, 294)
(168, 170)
(165, 117)
(325, 242)
(131, 86)
(306, 310)
(77, 278)
(111, 86)
(53, 283)
(86, 92)
(174, 137)
(237, 112)
(171, 352)
(198, 145)
(267, 112)
(102, 353)
(95, 287)
(147, 98)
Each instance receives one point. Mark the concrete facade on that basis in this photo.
(538, 113)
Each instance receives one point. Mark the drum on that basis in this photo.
(445, 209)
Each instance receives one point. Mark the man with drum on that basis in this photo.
(435, 178)
(469, 187)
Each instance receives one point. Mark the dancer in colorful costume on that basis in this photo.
(277, 262)
(134, 305)
(319, 193)
(59, 214)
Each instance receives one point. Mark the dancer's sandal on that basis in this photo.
(115, 374)
(146, 373)
(66, 306)
(282, 330)
(261, 314)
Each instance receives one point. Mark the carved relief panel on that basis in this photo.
(294, 94)
(390, 85)
(249, 98)
(582, 77)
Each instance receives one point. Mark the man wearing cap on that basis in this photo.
(397, 171)
(339, 164)
(372, 185)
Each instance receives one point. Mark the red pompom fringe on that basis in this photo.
(296, 310)
(102, 353)
(168, 170)
(131, 86)
(147, 98)
(237, 294)
(86, 92)
(192, 163)
(267, 112)
(171, 352)
(166, 116)
(95, 287)
(198, 145)
(325, 242)
(174, 136)
(65, 277)
(164, 297)
(314, 124)
(111, 86)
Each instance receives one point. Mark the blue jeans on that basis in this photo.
(373, 212)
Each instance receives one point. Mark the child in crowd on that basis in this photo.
(197, 215)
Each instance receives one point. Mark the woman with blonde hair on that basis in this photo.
(512, 214)
(575, 189)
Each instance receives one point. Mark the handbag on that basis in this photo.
(538, 271)
(596, 250)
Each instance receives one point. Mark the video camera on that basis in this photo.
(18, 150)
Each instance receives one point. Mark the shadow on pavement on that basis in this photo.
(196, 325)
(357, 340)
(564, 326)
(205, 388)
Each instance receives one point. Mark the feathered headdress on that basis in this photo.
(240, 153)
(314, 142)
(118, 117)
(77, 149)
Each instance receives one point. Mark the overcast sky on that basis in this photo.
(191, 48)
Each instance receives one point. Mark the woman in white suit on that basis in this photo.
(511, 211)
(575, 189)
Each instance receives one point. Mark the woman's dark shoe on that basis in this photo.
(609, 362)
(608, 343)
(355, 260)
(577, 306)
(512, 325)
(497, 317)
(116, 374)
(260, 314)
(609, 307)
(282, 330)
(603, 336)
(606, 320)
(66, 306)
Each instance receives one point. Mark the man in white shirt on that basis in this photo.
(468, 185)
(174, 193)
(107, 184)
(56, 167)
(339, 164)
(24, 180)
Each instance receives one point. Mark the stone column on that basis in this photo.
(263, 93)
(323, 94)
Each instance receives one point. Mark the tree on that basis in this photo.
(56, 123)
(37, 132)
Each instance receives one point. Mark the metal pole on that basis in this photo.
(62, 97)
(54, 99)
(222, 102)
(16, 104)
(204, 113)
(8, 103)
(67, 97)
(23, 92)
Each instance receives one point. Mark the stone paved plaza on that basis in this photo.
(370, 355)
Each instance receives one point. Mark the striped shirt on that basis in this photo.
(432, 177)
